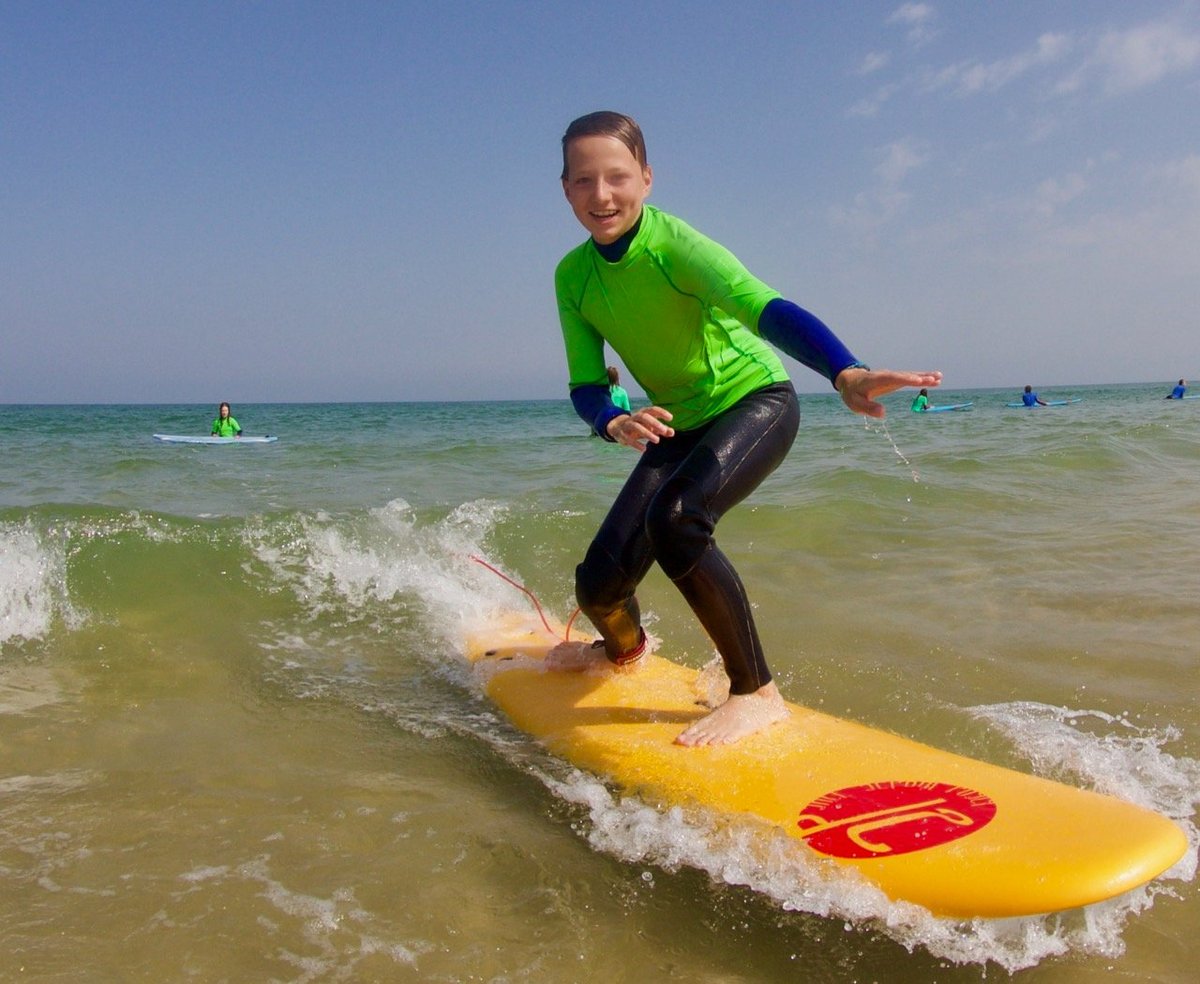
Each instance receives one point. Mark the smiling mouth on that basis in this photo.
(605, 215)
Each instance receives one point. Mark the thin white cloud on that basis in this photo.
(873, 62)
(871, 104)
(919, 18)
(1180, 179)
(1150, 237)
(899, 158)
(1112, 62)
(876, 207)
(969, 78)
(1070, 221)
(1123, 61)
(1053, 193)
(1043, 128)
(869, 212)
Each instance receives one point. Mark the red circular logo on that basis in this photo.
(883, 819)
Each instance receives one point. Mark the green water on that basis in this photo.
(237, 742)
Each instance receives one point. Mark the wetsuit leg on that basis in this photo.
(728, 460)
(667, 512)
(619, 557)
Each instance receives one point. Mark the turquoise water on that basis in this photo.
(237, 741)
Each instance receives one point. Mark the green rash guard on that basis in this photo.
(679, 309)
(226, 428)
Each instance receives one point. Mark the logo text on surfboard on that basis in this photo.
(883, 819)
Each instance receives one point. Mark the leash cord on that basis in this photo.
(529, 594)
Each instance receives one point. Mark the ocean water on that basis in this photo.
(238, 741)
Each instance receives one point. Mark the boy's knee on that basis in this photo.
(599, 583)
(679, 530)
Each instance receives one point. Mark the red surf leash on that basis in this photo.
(532, 597)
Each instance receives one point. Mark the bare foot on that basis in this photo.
(574, 656)
(740, 716)
(577, 656)
(712, 684)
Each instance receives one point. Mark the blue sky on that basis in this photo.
(359, 201)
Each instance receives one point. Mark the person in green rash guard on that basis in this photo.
(225, 425)
(692, 325)
(921, 403)
(616, 391)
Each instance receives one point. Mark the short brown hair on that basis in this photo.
(605, 123)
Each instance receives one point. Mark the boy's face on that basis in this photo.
(606, 186)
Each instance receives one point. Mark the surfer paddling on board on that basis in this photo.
(689, 322)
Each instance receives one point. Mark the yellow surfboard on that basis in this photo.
(960, 837)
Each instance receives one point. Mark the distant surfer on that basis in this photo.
(1031, 399)
(616, 391)
(1178, 391)
(921, 402)
(225, 425)
(689, 322)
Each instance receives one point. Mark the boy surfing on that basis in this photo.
(691, 324)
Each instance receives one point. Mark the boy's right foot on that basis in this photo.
(575, 656)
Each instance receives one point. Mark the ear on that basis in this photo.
(648, 176)
(566, 192)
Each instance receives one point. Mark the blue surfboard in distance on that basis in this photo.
(197, 439)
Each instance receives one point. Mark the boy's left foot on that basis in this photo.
(739, 717)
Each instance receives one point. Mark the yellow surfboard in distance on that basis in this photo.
(960, 837)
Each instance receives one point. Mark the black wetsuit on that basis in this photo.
(681, 486)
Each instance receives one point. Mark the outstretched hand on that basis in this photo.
(642, 427)
(860, 387)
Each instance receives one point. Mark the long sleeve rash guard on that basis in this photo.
(686, 318)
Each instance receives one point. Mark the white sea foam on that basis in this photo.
(742, 852)
(392, 557)
(340, 930)
(51, 784)
(387, 557)
(1111, 755)
(32, 582)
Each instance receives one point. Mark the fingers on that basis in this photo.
(645, 426)
(861, 391)
(865, 406)
(657, 414)
(933, 378)
(888, 381)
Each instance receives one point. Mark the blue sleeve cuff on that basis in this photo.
(595, 406)
(804, 337)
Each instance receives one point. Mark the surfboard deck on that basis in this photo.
(1048, 403)
(198, 439)
(950, 406)
(961, 837)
